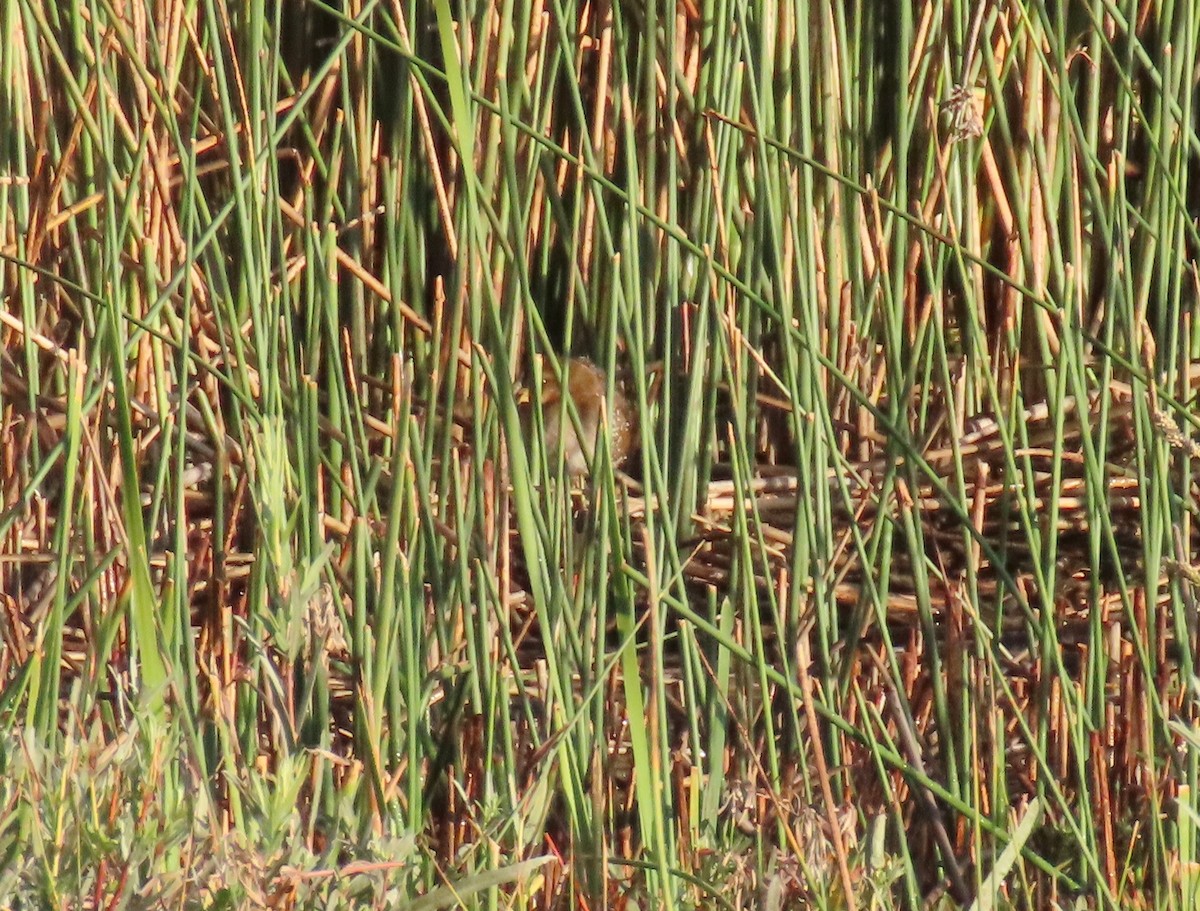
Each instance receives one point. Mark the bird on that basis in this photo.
(587, 387)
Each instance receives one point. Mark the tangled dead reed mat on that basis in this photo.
(1023, 522)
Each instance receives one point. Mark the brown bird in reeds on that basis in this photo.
(587, 387)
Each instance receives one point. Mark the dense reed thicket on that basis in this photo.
(884, 597)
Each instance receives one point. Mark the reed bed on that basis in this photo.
(892, 604)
